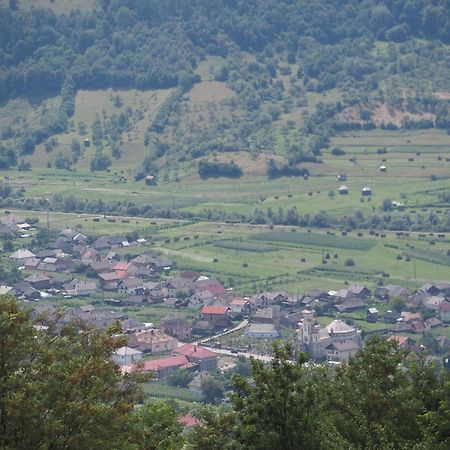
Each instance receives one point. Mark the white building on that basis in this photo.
(125, 356)
(262, 331)
(337, 341)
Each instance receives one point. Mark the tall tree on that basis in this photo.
(60, 391)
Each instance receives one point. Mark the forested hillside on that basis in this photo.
(370, 55)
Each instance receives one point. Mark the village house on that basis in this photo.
(25, 290)
(39, 282)
(125, 356)
(210, 284)
(162, 367)
(125, 269)
(144, 259)
(5, 290)
(80, 288)
(444, 311)
(176, 326)
(21, 255)
(341, 350)
(196, 354)
(262, 331)
(391, 316)
(216, 315)
(239, 307)
(131, 325)
(178, 286)
(195, 386)
(436, 288)
(109, 281)
(353, 304)
(90, 255)
(372, 315)
(201, 298)
(155, 341)
(101, 267)
(131, 286)
(434, 301)
(270, 315)
(401, 327)
(272, 298)
(406, 343)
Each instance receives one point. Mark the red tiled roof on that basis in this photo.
(219, 310)
(212, 286)
(122, 266)
(412, 316)
(188, 421)
(154, 365)
(445, 306)
(197, 351)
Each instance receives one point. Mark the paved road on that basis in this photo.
(238, 327)
(223, 351)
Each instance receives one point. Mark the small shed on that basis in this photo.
(366, 191)
(383, 168)
(150, 180)
(343, 190)
(87, 142)
(372, 315)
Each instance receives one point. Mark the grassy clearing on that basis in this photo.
(101, 104)
(322, 240)
(157, 389)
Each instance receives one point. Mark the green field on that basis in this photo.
(293, 261)
(416, 183)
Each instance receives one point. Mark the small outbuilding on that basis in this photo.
(383, 168)
(366, 191)
(150, 180)
(343, 190)
(372, 315)
(262, 331)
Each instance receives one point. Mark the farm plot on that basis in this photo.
(316, 239)
(246, 246)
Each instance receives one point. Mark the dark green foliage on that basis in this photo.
(383, 398)
(100, 161)
(212, 389)
(274, 171)
(180, 378)
(62, 392)
(281, 409)
(8, 157)
(215, 169)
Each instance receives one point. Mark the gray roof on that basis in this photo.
(262, 328)
(127, 351)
